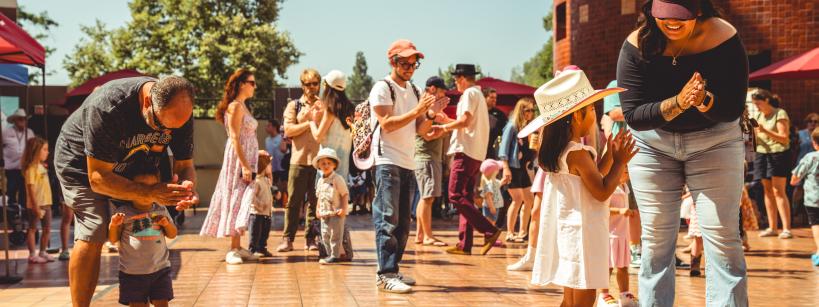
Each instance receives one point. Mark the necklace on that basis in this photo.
(674, 57)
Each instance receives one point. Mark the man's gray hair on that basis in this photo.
(167, 88)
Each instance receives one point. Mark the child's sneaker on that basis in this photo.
(628, 300)
(390, 283)
(786, 234)
(233, 257)
(525, 263)
(636, 256)
(606, 300)
(815, 259)
(47, 257)
(263, 253)
(328, 260)
(247, 255)
(767, 233)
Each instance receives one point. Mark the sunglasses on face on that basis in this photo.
(407, 65)
(310, 84)
(529, 110)
(813, 122)
(251, 82)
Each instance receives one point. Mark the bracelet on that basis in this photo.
(677, 102)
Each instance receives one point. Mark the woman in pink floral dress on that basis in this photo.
(227, 215)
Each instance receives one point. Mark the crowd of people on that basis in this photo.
(588, 196)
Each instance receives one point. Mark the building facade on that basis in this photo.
(589, 34)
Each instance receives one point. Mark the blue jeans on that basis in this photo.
(710, 162)
(394, 190)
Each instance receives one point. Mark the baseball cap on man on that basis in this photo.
(403, 48)
(675, 9)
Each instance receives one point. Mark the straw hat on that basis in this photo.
(20, 113)
(567, 93)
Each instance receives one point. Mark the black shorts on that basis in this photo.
(145, 288)
(520, 178)
(772, 165)
(813, 215)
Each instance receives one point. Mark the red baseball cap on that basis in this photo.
(675, 9)
(403, 48)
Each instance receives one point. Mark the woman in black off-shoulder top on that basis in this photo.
(686, 74)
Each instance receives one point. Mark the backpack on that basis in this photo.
(363, 131)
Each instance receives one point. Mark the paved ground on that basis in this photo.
(780, 275)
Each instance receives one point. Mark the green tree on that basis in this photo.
(359, 82)
(40, 24)
(92, 56)
(202, 40)
(538, 69)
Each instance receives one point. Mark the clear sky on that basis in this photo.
(498, 35)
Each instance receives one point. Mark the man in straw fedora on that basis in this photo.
(14, 142)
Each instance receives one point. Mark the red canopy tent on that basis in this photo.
(508, 94)
(801, 66)
(75, 97)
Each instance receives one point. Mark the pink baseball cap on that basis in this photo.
(403, 48)
(675, 9)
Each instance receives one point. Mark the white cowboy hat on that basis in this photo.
(567, 93)
(17, 114)
(336, 80)
(325, 152)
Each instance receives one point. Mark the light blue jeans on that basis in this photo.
(710, 162)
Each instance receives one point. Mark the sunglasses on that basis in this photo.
(529, 110)
(251, 82)
(157, 122)
(310, 84)
(408, 66)
(812, 122)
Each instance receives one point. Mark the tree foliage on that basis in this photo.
(92, 56)
(359, 82)
(538, 69)
(39, 24)
(202, 40)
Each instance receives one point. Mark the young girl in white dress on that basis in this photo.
(572, 249)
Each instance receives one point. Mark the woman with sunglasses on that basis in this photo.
(515, 155)
(331, 121)
(226, 217)
(686, 74)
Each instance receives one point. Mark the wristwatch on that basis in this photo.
(707, 102)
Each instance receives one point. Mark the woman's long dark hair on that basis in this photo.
(232, 87)
(652, 40)
(763, 94)
(554, 140)
(338, 104)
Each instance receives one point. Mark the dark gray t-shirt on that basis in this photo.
(109, 126)
(142, 247)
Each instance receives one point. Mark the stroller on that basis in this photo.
(17, 223)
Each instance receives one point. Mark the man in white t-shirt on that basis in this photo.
(468, 146)
(401, 112)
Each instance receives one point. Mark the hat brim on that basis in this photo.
(12, 118)
(410, 52)
(319, 157)
(661, 9)
(541, 121)
(364, 163)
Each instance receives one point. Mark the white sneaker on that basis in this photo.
(525, 263)
(390, 283)
(247, 255)
(606, 300)
(628, 300)
(406, 279)
(233, 257)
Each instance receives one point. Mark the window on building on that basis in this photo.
(584, 13)
(560, 21)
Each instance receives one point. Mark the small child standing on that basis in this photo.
(38, 194)
(490, 189)
(696, 247)
(619, 252)
(571, 249)
(260, 196)
(808, 169)
(333, 198)
(140, 229)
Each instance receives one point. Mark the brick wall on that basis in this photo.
(785, 28)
